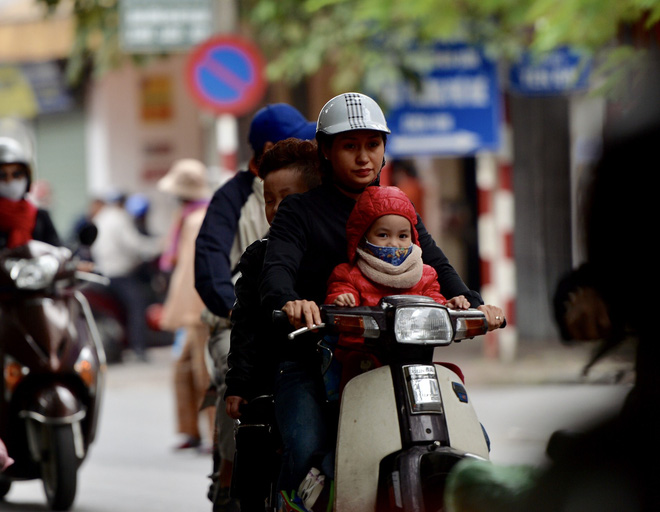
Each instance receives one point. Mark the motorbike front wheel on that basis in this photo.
(59, 468)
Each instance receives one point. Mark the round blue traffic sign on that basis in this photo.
(225, 75)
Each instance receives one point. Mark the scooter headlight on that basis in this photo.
(423, 326)
(33, 274)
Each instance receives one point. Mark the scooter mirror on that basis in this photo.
(87, 234)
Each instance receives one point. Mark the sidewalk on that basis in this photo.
(538, 362)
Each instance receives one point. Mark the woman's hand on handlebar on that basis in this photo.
(494, 316)
(232, 404)
(302, 313)
(458, 302)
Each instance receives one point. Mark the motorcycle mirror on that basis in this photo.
(87, 234)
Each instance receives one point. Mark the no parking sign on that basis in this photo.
(226, 75)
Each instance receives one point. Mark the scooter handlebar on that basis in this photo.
(281, 319)
(90, 277)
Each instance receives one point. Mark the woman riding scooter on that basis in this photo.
(307, 241)
(20, 220)
(50, 353)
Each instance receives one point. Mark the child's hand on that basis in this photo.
(346, 300)
(458, 302)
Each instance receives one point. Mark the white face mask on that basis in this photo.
(14, 190)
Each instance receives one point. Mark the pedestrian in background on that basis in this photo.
(404, 176)
(187, 181)
(118, 250)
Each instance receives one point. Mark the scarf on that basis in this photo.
(167, 260)
(17, 219)
(404, 276)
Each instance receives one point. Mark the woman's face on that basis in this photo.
(390, 231)
(278, 185)
(356, 157)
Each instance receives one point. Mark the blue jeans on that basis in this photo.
(307, 427)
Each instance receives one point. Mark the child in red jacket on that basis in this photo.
(384, 254)
(384, 259)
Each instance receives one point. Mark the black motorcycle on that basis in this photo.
(53, 364)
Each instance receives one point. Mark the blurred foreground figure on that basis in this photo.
(5, 459)
(609, 466)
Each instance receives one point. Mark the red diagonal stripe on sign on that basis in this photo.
(223, 73)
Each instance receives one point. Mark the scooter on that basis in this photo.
(53, 365)
(405, 420)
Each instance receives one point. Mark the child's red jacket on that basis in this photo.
(373, 203)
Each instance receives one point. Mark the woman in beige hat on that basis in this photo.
(186, 180)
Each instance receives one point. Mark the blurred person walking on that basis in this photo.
(118, 250)
(187, 181)
(404, 177)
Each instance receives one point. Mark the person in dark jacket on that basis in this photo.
(234, 219)
(218, 244)
(20, 220)
(290, 167)
(307, 240)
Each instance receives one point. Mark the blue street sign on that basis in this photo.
(455, 112)
(561, 71)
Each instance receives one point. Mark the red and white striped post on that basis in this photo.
(496, 228)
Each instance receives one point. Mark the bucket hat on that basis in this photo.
(186, 179)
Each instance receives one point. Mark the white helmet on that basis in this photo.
(11, 152)
(351, 111)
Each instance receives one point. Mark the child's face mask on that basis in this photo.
(392, 255)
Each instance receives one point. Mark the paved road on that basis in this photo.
(132, 467)
(520, 419)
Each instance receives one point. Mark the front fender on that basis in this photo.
(54, 404)
(50, 406)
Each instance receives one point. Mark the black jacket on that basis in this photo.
(252, 352)
(307, 240)
(213, 270)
